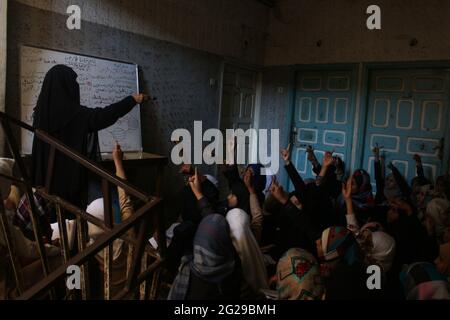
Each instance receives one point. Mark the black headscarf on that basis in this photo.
(59, 100)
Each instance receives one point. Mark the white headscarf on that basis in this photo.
(6, 168)
(436, 209)
(244, 242)
(25, 248)
(96, 209)
(383, 251)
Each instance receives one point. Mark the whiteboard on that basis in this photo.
(102, 82)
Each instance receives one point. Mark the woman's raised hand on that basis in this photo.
(286, 154)
(140, 98)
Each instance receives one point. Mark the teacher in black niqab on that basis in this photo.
(59, 113)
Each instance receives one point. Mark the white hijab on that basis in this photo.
(436, 209)
(25, 248)
(6, 168)
(383, 250)
(96, 209)
(244, 242)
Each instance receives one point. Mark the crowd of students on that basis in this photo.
(316, 242)
(263, 242)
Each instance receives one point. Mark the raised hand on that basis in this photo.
(286, 154)
(376, 151)
(347, 189)
(417, 159)
(390, 166)
(277, 191)
(140, 98)
(248, 180)
(195, 184)
(328, 159)
(117, 153)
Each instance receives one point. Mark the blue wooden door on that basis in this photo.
(408, 114)
(323, 116)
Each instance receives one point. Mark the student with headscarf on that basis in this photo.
(414, 241)
(212, 271)
(198, 199)
(342, 268)
(96, 209)
(314, 198)
(438, 210)
(239, 196)
(252, 261)
(422, 281)
(59, 113)
(26, 250)
(298, 276)
(377, 246)
(443, 261)
(362, 199)
(295, 227)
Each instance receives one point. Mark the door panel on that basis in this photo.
(323, 116)
(408, 114)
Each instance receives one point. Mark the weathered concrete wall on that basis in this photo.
(296, 27)
(178, 76)
(233, 28)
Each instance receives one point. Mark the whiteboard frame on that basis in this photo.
(22, 45)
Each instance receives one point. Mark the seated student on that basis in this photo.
(389, 187)
(189, 206)
(22, 218)
(377, 247)
(239, 196)
(314, 198)
(26, 249)
(333, 174)
(362, 199)
(96, 208)
(212, 272)
(341, 265)
(422, 281)
(298, 276)
(414, 241)
(438, 210)
(443, 261)
(198, 199)
(254, 271)
(295, 227)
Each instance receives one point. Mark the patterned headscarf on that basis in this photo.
(338, 244)
(298, 275)
(213, 259)
(422, 281)
(363, 198)
(438, 209)
(391, 189)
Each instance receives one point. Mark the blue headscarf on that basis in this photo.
(213, 259)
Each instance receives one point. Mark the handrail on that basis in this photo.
(145, 216)
(103, 241)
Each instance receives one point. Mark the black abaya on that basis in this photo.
(59, 113)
